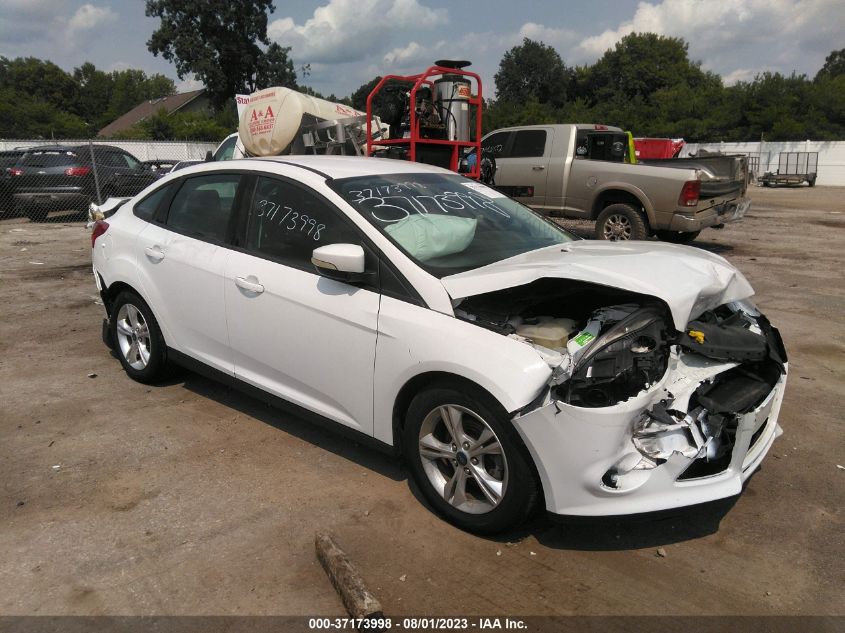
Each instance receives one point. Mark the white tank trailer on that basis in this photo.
(279, 121)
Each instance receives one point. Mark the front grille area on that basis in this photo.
(758, 433)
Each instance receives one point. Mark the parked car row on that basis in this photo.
(37, 180)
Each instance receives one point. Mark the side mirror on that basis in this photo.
(341, 262)
(209, 158)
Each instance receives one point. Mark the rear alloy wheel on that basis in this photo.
(678, 237)
(137, 338)
(621, 222)
(469, 463)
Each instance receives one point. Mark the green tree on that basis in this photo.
(37, 100)
(834, 65)
(95, 89)
(193, 126)
(41, 80)
(776, 108)
(274, 68)
(131, 87)
(638, 66)
(218, 42)
(533, 71)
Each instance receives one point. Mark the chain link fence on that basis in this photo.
(56, 181)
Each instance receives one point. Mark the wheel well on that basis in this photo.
(614, 196)
(110, 294)
(419, 383)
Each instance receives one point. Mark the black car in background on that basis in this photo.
(8, 159)
(64, 177)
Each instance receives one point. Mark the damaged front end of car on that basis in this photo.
(639, 416)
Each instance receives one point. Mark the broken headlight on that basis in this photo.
(628, 357)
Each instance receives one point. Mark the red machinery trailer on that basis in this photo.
(441, 117)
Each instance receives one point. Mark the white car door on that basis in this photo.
(181, 263)
(301, 336)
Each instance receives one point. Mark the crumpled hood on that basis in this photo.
(690, 281)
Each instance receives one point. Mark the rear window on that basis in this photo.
(607, 146)
(9, 160)
(50, 159)
(146, 208)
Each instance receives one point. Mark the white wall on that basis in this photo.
(831, 169)
(143, 150)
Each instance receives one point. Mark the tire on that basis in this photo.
(33, 212)
(130, 318)
(621, 222)
(502, 462)
(678, 237)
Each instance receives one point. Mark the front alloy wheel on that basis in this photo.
(468, 459)
(463, 459)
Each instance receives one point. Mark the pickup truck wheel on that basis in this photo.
(678, 237)
(621, 222)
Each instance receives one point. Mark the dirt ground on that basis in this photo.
(188, 498)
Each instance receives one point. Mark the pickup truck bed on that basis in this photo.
(721, 176)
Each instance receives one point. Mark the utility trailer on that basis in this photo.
(794, 168)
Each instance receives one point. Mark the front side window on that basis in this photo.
(203, 206)
(447, 223)
(129, 161)
(287, 222)
(495, 144)
(109, 159)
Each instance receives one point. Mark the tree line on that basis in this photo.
(40, 100)
(646, 83)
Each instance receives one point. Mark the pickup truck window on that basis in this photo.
(607, 146)
(496, 144)
(528, 144)
(448, 224)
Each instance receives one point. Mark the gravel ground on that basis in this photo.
(189, 498)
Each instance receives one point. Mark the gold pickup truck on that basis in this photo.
(579, 171)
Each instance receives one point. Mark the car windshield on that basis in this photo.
(448, 223)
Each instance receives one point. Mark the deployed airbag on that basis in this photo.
(429, 236)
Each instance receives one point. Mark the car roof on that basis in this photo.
(68, 148)
(349, 166)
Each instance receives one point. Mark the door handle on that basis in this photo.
(251, 286)
(538, 167)
(154, 253)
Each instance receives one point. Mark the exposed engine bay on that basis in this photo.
(608, 346)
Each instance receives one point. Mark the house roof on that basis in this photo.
(147, 109)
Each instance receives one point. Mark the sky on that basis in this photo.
(348, 42)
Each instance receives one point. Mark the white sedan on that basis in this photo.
(507, 360)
